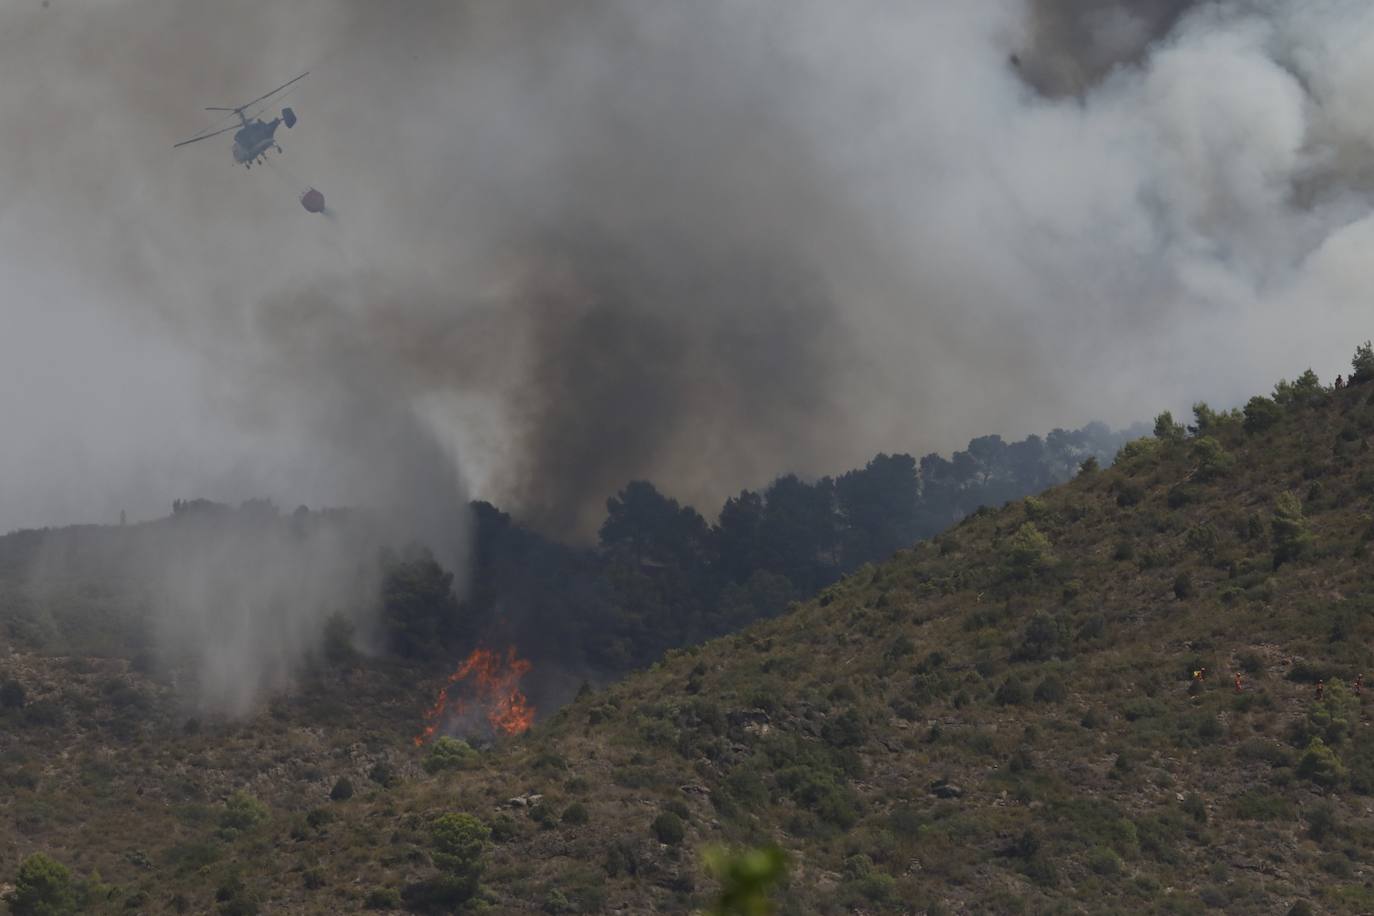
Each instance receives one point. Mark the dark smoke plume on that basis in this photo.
(1074, 44)
(700, 367)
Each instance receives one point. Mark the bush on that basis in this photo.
(12, 695)
(1194, 807)
(668, 828)
(1050, 690)
(1028, 551)
(575, 814)
(343, 789)
(383, 774)
(1261, 414)
(458, 843)
(43, 887)
(1321, 765)
(1041, 638)
(820, 792)
(1137, 450)
(242, 812)
(236, 899)
(1012, 692)
(1129, 493)
(1166, 429)
(1304, 391)
(449, 754)
(1213, 461)
(543, 816)
(1291, 536)
(845, 730)
(1321, 821)
(383, 898)
(746, 879)
(317, 818)
(1183, 586)
(1362, 365)
(1104, 862)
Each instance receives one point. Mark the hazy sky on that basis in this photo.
(704, 243)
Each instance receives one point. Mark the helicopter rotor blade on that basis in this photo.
(213, 133)
(272, 93)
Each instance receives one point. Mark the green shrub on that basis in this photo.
(383, 898)
(1166, 430)
(316, 818)
(458, 843)
(543, 816)
(1261, 414)
(1028, 551)
(575, 814)
(343, 789)
(1104, 862)
(746, 879)
(1304, 391)
(383, 774)
(1291, 536)
(236, 899)
(242, 812)
(1262, 805)
(1136, 452)
(746, 787)
(43, 887)
(1183, 586)
(845, 730)
(820, 792)
(1213, 461)
(1321, 765)
(1012, 692)
(449, 754)
(1050, 690)
(1321, 821)
(668, 828)
(1041, 638)
(1362, 364)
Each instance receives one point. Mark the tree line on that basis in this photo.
(661, 576)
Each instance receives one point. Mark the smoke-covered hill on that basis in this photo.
(240, 599)
(1139, 692)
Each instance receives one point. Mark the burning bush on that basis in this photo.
(490, 691)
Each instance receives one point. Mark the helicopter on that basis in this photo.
(254, 137)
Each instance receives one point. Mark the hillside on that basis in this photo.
(1003, 719)
(658, 577)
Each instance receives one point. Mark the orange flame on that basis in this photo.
(493, 686)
